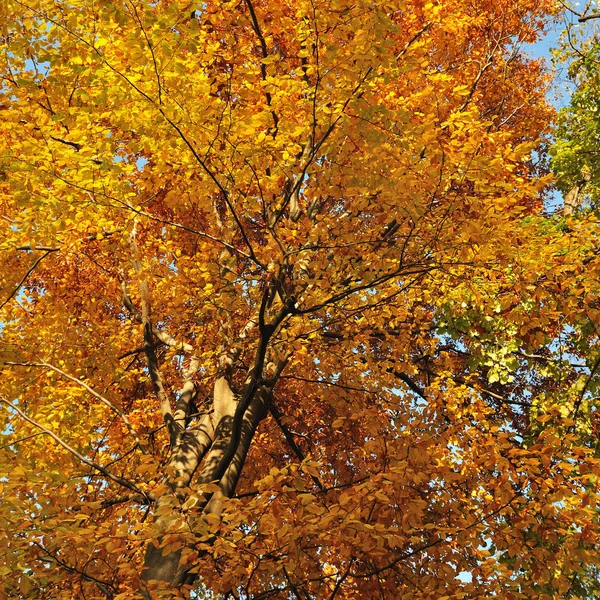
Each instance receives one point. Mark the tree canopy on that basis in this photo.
(282, 312)
(575, 149)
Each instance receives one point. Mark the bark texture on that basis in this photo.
(211, 450)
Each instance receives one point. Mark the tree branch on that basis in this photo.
(263, 66)
(149, 346)
(24, 279)
(83, 459)
(589, 17)
(91, 391)
(253, 383)
(289, 438)
(102, 585)
(341, 579)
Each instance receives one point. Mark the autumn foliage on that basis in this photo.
(282, 312)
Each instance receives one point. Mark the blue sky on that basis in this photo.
(559, 96)
(563, 88)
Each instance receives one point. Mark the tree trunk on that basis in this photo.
(206, 443)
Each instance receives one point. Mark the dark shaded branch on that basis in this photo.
(292, 585)
(263, 66)
(122, 499)
(431, 544)
(289, 438)
(315, 150)
(589, 17)
(330, 383)
(251, 387)
(412, 386)
(418, 271)
(413, 40)
(23, 439)
(103, 586)
(39, 248)
(151, 48)
(341, 579)
(75, 145)
(340, 486)
(487, 392)
(585, 387)
(138, 350)
(24, 279)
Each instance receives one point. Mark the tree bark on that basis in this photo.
(207, 443)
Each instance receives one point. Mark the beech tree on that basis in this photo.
(282, 315)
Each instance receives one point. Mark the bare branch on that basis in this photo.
(38, 248)
(122, 499)
(315, 150)
(263, 66)
(151, 48)
(330, 383)
(568, 8)
(23, 439)
(589, 17)
(593, 370)
(341, 579)
(431, 544)
(136, 351)
(413, 39)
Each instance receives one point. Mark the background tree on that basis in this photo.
(281, 314)
(575, 149)
(574, 161)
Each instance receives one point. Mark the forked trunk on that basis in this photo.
(203, 446)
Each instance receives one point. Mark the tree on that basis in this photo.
(573, 159)
(575, 149)
(280, 306)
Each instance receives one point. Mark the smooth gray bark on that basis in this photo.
(206, 444)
